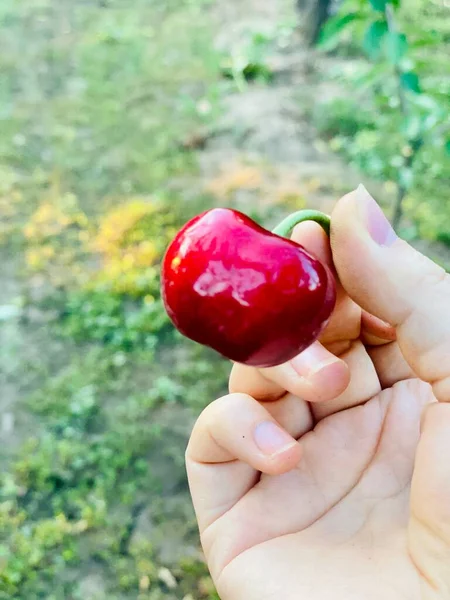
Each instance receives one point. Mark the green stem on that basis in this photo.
(285, 228)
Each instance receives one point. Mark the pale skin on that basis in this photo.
(328, 478)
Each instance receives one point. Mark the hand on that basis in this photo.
(329, 477)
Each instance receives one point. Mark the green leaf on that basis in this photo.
(410, 81)
(379, 4)
(373, 38)
(333, 29)
(372, 76)
(412, 127)
(431, 121)
(396, 47)
(429, 104)
(447, 147)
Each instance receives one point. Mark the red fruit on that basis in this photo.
(254, 297)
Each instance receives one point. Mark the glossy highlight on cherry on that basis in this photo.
(253, 296)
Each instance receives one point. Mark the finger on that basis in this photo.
(315, 375)
(397, 284)
(390, 364)
(312, 237)
(292, 413)
(364, 383)
(345, 321)
(430, 500)
(375, 332)
(348, 320)
(234, 439)
(345, 324)
(238, 427)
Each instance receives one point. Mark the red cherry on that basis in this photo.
(253, 296)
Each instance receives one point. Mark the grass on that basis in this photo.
(100, 98)
(104, 449)
(95, 112)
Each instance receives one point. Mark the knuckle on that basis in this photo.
(220, 409)
(431, 277)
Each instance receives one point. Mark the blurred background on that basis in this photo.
(119, 120)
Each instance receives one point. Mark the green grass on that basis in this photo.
(110, 431)
(100, 97)
(96, 103)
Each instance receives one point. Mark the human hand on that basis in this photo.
(359, 506)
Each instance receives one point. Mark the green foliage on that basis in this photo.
(101, 95)
(378, 4)
(248, 62)
(122, 323)
(120, 305)
(396, 47)
(410, 81)
(202, 376)
(34, 554)
(74, 493)
(95, 110)
(329, 36)
(374, 37)
(394, 126)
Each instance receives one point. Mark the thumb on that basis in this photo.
(394, 282)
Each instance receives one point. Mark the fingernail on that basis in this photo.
(271, 439)
(378, 226)
(312, 360)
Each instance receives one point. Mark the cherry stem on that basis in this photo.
(284, 229)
